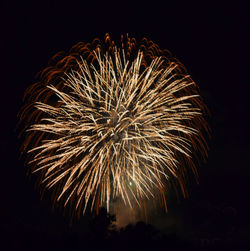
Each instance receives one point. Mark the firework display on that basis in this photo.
(107, 121)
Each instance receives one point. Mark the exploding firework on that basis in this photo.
(107, 122)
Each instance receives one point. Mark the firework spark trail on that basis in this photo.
(117, 129)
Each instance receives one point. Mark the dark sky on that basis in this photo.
(212, 41)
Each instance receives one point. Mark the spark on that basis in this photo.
(116, 127)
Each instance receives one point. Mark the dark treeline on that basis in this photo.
(102, 234)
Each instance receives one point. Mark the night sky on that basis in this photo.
(212, 41)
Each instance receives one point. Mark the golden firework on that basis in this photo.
(106, 122)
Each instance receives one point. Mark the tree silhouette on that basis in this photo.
(101, 226)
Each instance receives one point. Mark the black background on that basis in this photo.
(211, 40)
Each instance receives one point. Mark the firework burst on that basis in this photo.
(107, 122)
